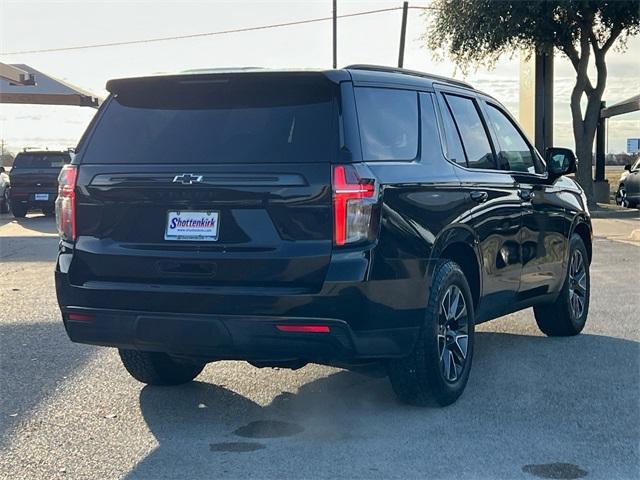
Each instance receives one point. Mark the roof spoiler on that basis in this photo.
(415, 73)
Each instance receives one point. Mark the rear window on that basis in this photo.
(250, 119)
(53, 160)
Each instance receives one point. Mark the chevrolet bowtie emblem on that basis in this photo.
(187, 179)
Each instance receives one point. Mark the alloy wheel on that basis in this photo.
(453, 334)
(621, 197)
(577, 284)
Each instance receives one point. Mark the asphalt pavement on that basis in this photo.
(535, 407)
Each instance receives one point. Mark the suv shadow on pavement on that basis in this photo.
(32, 365)
(37, 223)
(571, 404)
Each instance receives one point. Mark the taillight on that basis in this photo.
(355, 196)
(66, 203)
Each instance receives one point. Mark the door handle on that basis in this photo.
(479, 197)
(525, 195)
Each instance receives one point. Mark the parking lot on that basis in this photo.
(535, 407)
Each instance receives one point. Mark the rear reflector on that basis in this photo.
(81, 317)
(304, 328)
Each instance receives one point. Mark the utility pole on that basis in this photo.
(403, 33)
(335, 33)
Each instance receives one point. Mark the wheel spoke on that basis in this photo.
(579, 306)
(578, 284)
(446, 364)
(446, 304)
(581, 283)
(454, 304)
(459, 347)
(452, 337)
(453, 373)
(462, 312)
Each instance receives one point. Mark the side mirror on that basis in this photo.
(560, 161)
(627, 167)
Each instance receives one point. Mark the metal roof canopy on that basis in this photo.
(626, 106)
(23, 84)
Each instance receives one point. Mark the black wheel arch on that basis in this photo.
(459, 244)
(582, 226)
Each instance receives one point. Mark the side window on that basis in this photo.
(474, 136)
(430, 136)
(455, 152)
(514, 152)
(388, 121)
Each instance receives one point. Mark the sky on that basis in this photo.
(30, 25)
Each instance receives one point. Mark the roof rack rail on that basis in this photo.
(381, 68)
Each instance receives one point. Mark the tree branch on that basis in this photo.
(615, 33)
(571, 52)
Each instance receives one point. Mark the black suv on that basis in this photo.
(34, 181)
(340, 217)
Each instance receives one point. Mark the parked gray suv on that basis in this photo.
(628, 194)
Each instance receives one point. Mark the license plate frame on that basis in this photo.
(183, 225)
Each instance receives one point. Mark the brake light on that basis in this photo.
(354, 197)
(66, 203)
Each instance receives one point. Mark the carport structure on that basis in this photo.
(601, 185)
(23, 84)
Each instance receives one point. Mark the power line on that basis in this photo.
(208, 34)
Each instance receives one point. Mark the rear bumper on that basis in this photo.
(367, 319)
(32, 196)
(227, 337)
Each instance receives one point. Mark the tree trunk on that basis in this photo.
(584, 152)
(584, 133)
(585, 126)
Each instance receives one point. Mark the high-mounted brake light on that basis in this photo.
(66, 203)
(354, 198)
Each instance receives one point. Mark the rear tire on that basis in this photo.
(621, 197)
(157, 368)
(437, 370)
(19, 211)
(4, 203)
(49, 211)
(568, 314)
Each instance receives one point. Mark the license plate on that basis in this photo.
(42, 196)
(202, 226)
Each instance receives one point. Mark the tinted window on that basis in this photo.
(455, 152)
(388, 121)
(430, 135)
(474, 136)
(514, 152)
(249, 119)
(53, 160)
